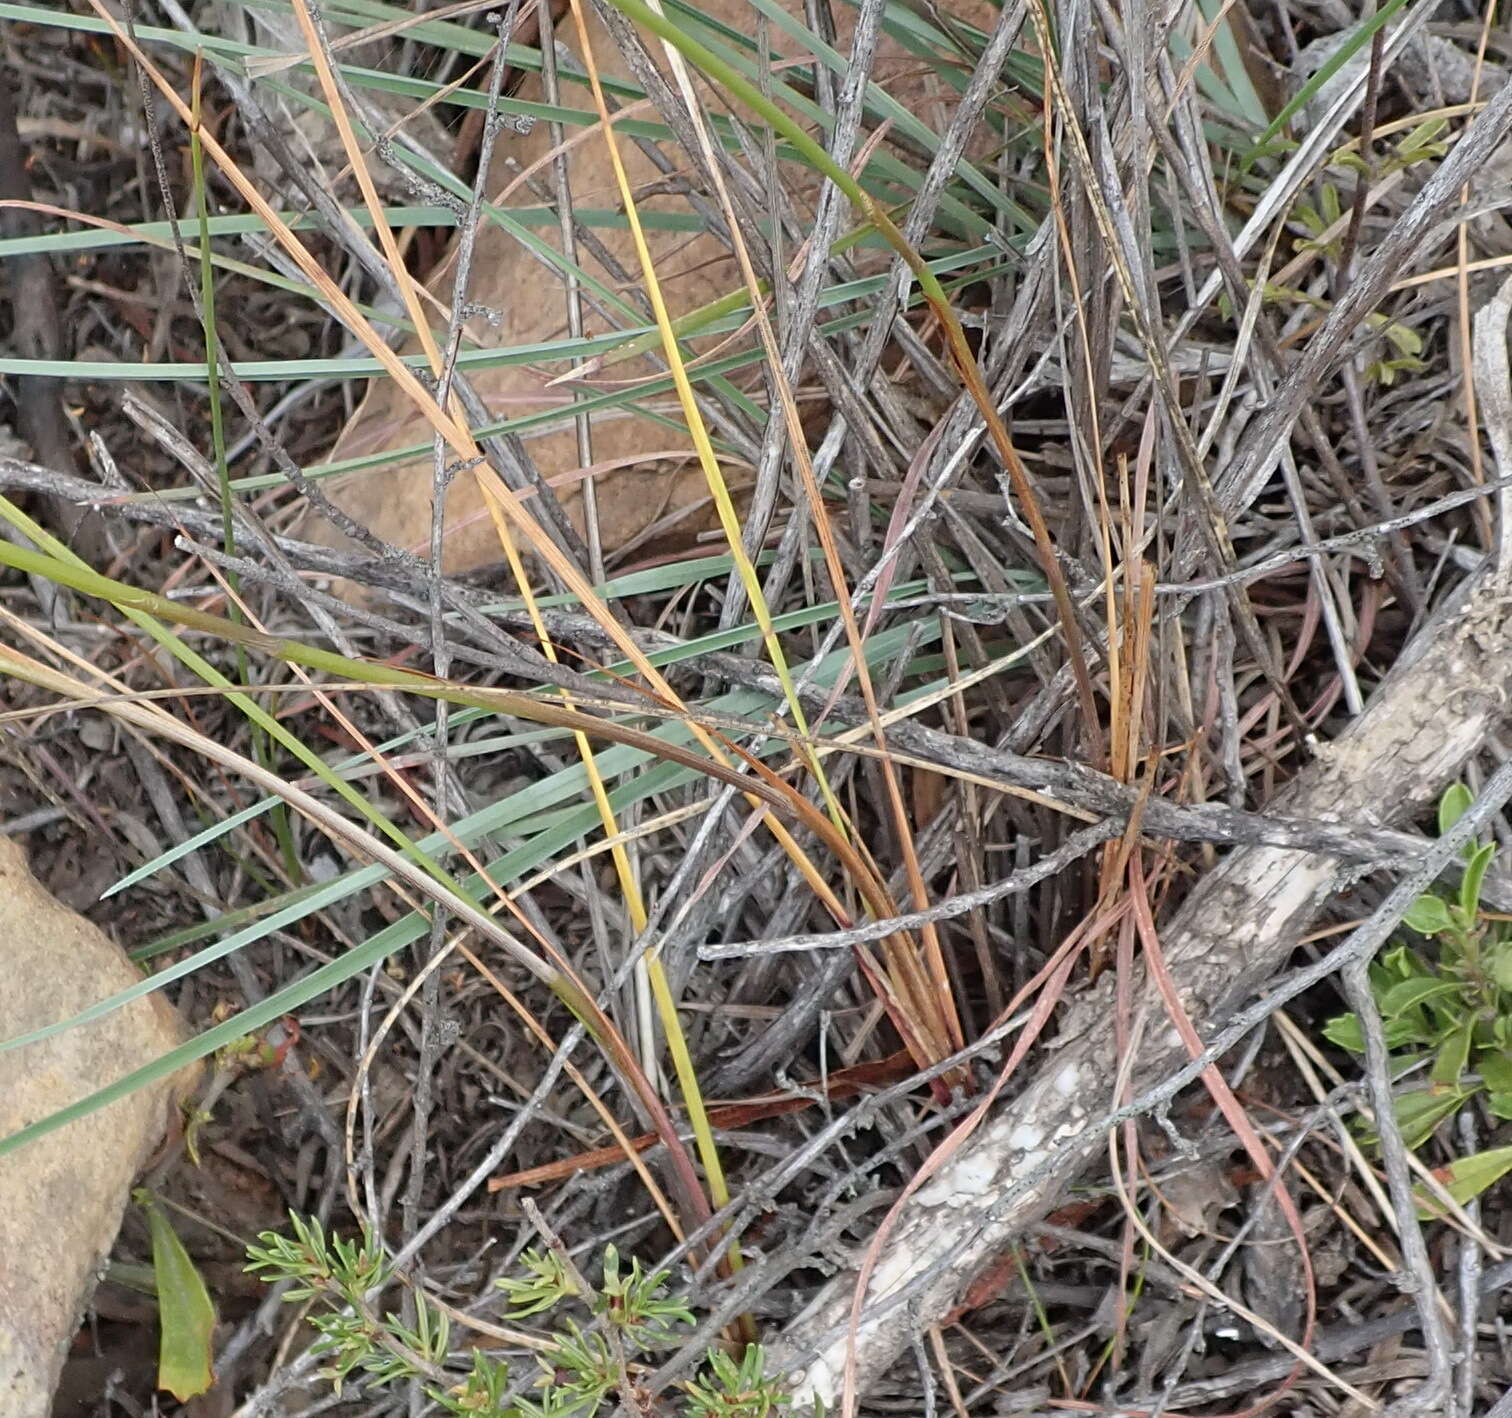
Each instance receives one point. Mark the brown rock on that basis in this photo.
(62, 1195)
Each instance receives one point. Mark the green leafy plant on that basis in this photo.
(1421, 143)
(735, 1390)
(1449, 1009)
(1405, 341)
(585, 1369)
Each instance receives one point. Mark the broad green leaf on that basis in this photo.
(1453, 805)
(1453, 1055)
(1423, 1109)
(1475, 874)
(1403, 996)
(186, 1318)
(1402, 1064)
(1501, 965)
(1410, 1028)
(1428, 915)
(1403, 963)
(1344, 1030)
(1466, 1178)
(1496, 1071)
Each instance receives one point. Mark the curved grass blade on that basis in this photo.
(1353, 45)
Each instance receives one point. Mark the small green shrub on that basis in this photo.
(584, 1372)
(1449, 1008)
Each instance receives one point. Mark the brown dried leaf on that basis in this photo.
(1194, 1196)
(647, 495)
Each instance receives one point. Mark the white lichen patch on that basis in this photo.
(1026, 1164)
(1068, 1082)
(962, 1183)
(819, 1382)
(1025, 1138)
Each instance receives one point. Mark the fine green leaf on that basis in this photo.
(1352, 46)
